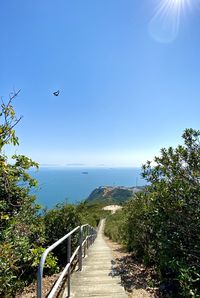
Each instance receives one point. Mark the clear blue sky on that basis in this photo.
(123, 94)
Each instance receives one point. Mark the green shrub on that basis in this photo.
(174, 210)
(24, 232)
(114, 227)
(50, 262)
(161, 225)
(137, 227)
(21, 228)
(91, 213)
(59, 222)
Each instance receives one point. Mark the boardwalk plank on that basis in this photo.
(96, 279)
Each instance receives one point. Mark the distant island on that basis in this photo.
(112, 194)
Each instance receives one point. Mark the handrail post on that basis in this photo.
(88, 236)
(39, 281)
(80, 249)
(84, 249)
(68, 261)
(85, 242)
(84, 235)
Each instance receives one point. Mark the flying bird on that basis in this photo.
(56, 93)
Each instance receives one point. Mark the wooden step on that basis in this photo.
(96, 279)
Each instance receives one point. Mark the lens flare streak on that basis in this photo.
(165, 24)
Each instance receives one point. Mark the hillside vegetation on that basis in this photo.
(161, 225)
(107, 195)
(26, 230)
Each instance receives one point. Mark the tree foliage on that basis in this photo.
(21, 230)
(24, 230)
(161, 225)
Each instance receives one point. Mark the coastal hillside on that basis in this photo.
(110, 195)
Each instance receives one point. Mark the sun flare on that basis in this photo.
(165, 24)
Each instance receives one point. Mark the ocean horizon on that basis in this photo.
(74, 184)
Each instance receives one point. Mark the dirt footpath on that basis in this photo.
(112, 208)
(135, 278)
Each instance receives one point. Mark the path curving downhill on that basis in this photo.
(96, 278)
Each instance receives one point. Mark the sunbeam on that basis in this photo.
(165, 24)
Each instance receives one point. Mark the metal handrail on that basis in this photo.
(83, 243)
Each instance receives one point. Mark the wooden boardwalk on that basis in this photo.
(96, 278)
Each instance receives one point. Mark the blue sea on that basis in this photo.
(57, 185)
